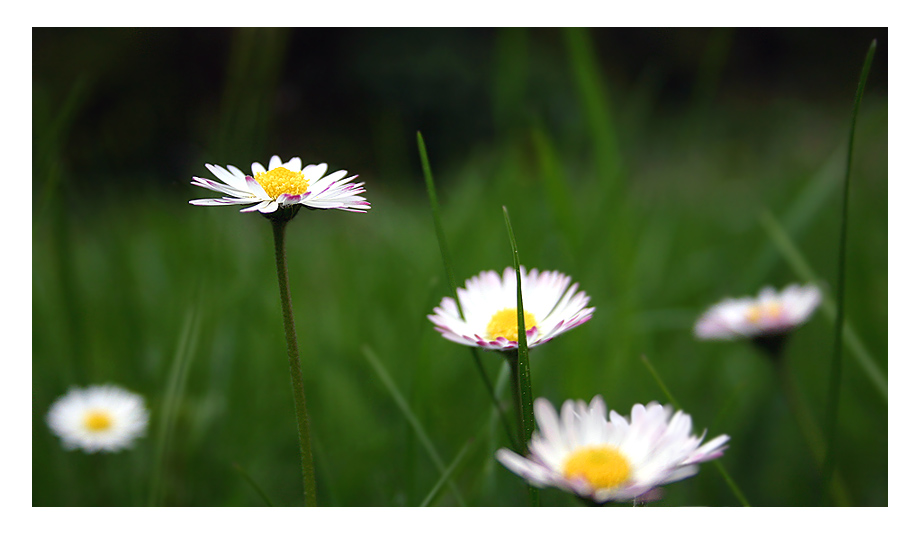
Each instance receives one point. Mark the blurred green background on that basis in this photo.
(647, 164)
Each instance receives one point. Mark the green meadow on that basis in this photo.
(658, 207)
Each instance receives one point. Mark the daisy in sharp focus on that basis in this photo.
(98, 418)
(283, 185)
(615, 459)
(489, 306)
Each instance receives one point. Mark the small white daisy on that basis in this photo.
(283, 185)
(98, 418)
(583, 452)
(769, 314)
(489, 304)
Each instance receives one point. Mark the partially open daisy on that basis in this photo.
(98, 418)
(489, 305)
(615, 459)
(283, 185)
(769, 314)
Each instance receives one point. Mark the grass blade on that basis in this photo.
(521, 358)
(718, 463)
(589, 82)
(449, 271)
(811, 201)
(557, 192)
(660, 382)
(836, 372)
(175, 388)
(803, 270)
(446, 476)
(436, 216)
(252, 483)
(407, 412)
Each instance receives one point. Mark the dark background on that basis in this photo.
(148, 100)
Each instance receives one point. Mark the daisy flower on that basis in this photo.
(769, 314)
(489, 305)
(615, 459)
(98, 418)
(283, 185)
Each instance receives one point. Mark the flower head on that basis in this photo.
(769, 314)
(283, 185)
(615, 459)
(98, 418)
(489, 305)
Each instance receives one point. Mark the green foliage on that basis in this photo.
(180, 303)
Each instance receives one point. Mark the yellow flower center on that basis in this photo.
(601, 466)
(280, 180)
(504, 324)
(766, 310)
(97, 420)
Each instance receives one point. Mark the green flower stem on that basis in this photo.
(300, 400)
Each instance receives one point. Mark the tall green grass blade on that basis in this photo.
(836, 372)
(556, 191)
(446, 476)
(521, 358)
(449, 271)
(49, 133)
(253, 483)
(526, 392)
(48, 140)
(254, 67)
(736, 491)
(605, 149)
(803, 270)
(660, 382)
(802, 210)
(419, 391)
(718, 463)
(589, 82)
(413, 420)
(511, 79)
(175, 389)
(612, 230)
(436, 216)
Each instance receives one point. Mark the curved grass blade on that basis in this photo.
(448, 269)
(252, 483)
(413, 421)
(718, 463)
(446, 476)
(803, 270)
(175, 388)
(521, 358)
(836, 372)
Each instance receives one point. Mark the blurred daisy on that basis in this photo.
(615, 459)
(283, 185)
(98, 418)
(769, 314)
(489, 305)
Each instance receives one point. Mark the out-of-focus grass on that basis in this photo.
(114, 279)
